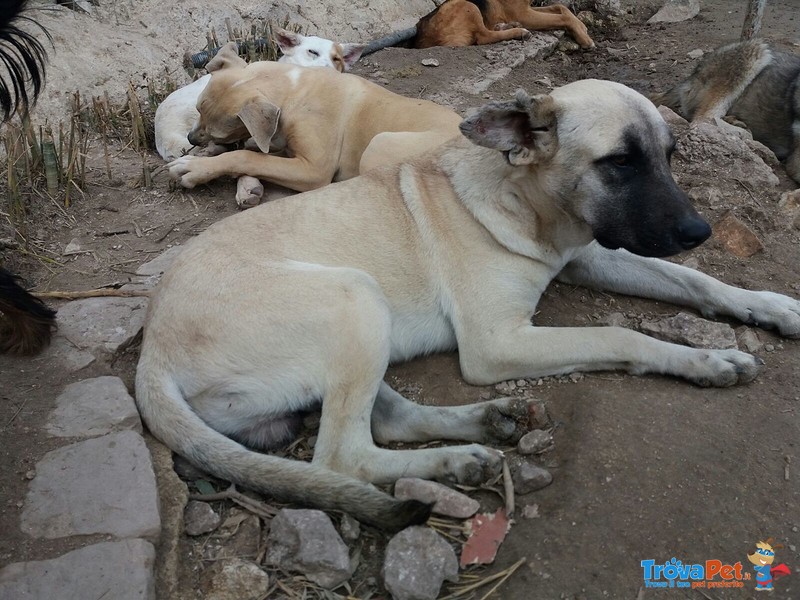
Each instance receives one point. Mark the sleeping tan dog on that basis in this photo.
(330, 126)
(307, 300)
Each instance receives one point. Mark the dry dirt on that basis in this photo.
(645, 467)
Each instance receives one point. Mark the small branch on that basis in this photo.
(508, 486)
(254, 506)
(91, 294)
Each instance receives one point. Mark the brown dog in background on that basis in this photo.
(470, 22)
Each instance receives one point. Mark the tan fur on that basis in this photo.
(460, 23)
(308, 299)
(328, 123)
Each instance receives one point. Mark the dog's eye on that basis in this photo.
(313, 53)
(620, 160)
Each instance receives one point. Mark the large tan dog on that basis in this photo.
(308, 299)
(469, 22)
(323, 121)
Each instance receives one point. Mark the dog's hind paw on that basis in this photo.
(722, 368)
(469, 465)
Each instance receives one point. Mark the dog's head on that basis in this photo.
(313, 51)
(602, 151)
(231, 112)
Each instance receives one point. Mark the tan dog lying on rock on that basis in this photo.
(330, 126)
(307, 300)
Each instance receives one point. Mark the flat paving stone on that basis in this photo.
(63, 354)
(101, 485)
(149, 274)
(115, 570)
(102, 325)
(94, 407)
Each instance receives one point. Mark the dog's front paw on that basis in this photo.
(469, 465)
(508, 419)
(774, 311)
(722, 368)
(190, 171)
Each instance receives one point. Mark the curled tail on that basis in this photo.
(393, 39)
(172, 420)
(26, 323)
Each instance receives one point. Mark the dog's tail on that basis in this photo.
(172, 420)
(26, 324)
(393, 39)
(672, 98)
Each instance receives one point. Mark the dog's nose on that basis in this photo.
(195, 138)
(692, 232)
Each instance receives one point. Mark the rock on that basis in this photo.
(199, 518)
(505, 387)
(149, 274)
(349, 528)
(695, 54)
(534, 441)
(74, 247)
(734, 130)
(94, 407)
(487, 532)
(675, 11)
(736, 237)
(529, 478)
(417, 562)
(102, 325)
(588, 18)
(671, 117)
(63, 354)
(306, 541)
(611, 8)
(748, 340)
(120, 570)
(530, 511)
(234, 579)
(429, 62)
(539, 418)
(789, 204)
(693, 331)
(101, 485)
(615, 319)
(445, 501)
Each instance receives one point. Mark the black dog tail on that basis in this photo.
(393, 39)
(23, 57)
(26, 324)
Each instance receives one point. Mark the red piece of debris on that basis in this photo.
(488, 530)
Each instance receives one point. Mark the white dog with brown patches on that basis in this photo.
(308, 300)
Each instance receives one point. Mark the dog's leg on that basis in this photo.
(793, 160)
(626, 273)
(555, 17)
(396, 419)
(249, 191)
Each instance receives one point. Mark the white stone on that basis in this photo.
(675, 11)
(101, 485)
(102, 325)
(94, 407)
(417, 562)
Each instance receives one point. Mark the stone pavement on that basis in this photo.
(101, 481)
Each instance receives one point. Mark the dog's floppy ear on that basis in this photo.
(287, 40)
(260, 116)
(227, 57)
(351, 53)
(524, 129)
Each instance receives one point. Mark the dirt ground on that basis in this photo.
(644, 467)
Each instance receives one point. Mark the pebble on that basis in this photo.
(446, 501)
(306, 541)
(349, 528)
(736, 237)
(534, 441)
(234, 579)
(529, 478)
(695, 54)
(417, 561)
(199, 518)
(429, 62)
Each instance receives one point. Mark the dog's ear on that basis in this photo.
(227, 57)
(287, 40)
(351, 53)
(260, 117)
(523, 129)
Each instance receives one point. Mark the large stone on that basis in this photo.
(149, 274)
(102, 326)
(417, 562)
(94, 407)
(445, 501)
(675, 11)
(101, 485)
(234, 579)
(535, 441)
(690, 330)
(306, 541)
(63, 354)
(120, 570)
(200, 518)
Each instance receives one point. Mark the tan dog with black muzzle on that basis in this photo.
(308, 300)
(329, 126)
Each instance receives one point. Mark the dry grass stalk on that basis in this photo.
(461, 590)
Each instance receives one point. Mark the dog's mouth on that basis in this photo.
(687, 234)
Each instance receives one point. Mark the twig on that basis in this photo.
(513, 568)
(254, 506)
(508, 486)
(502, 575)
(92, 294)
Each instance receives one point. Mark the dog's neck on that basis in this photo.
(513, 204)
